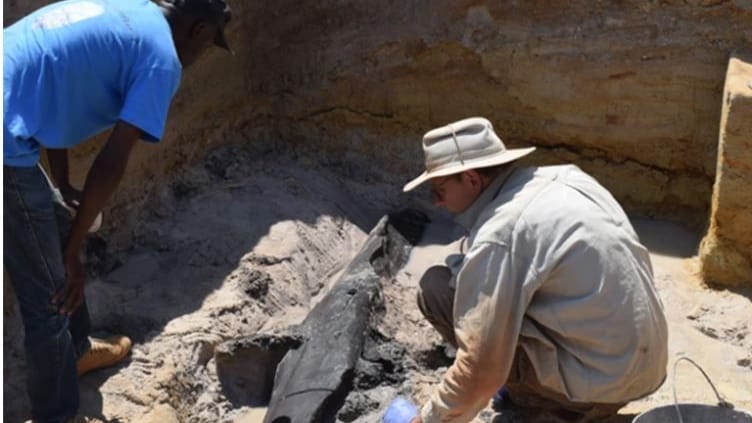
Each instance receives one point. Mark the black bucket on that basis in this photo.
(724, 412)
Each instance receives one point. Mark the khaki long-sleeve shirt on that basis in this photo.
(553, 266)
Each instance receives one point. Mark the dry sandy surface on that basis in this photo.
(250, 240)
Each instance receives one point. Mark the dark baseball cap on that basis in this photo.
(216, 11)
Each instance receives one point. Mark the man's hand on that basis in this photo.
(417, 419)
(71, 196)
(72, 295)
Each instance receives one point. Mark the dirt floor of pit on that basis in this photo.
(247, 242)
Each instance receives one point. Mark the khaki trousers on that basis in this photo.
(436, 302)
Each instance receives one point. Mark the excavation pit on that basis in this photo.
(218, 274)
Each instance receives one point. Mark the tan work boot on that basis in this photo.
(104, 353)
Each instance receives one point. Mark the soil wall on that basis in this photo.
(629, 90)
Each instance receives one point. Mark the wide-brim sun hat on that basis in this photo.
(466, 144)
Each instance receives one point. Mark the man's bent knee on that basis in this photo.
(433, 286)
(436, 300)
(435, 282)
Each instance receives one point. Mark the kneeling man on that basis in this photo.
(554, 296)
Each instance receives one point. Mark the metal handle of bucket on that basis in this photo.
(721, 402)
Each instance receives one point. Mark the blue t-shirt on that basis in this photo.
(76, 67)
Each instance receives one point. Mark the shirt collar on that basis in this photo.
(467, 218)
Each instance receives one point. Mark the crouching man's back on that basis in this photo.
(593, 328)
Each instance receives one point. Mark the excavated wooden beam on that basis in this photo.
(313, 380)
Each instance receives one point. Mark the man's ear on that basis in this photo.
(198, 28)
(474, 178)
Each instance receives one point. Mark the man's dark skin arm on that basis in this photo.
(104, 176)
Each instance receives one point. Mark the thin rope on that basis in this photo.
(456, 144)
(56, 194)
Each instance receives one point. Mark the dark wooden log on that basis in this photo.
(312, 381)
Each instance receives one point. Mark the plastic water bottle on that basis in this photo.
(400, 410)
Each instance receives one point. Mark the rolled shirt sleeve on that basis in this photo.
(488, 311)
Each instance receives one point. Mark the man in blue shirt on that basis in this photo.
(71, 70)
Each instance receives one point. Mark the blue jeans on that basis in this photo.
(33, 257)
